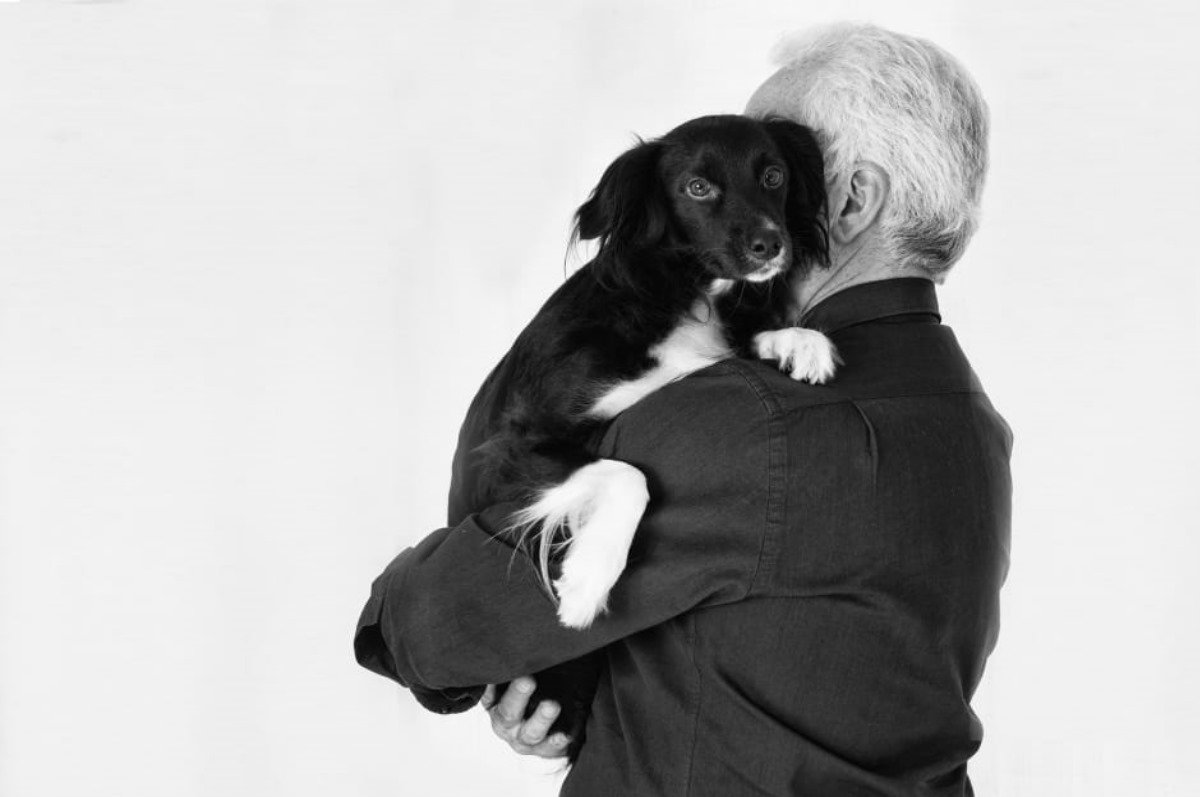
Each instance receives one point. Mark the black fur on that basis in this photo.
(660, 250)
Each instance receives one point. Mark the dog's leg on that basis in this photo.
(804, 354)
(601, 504)
(600, 545)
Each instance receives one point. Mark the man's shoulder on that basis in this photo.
(753, 389)
(726, 406)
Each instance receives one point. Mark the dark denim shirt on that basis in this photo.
(809, 600)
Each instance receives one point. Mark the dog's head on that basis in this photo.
(744, 196)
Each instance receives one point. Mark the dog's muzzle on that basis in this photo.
(765, 273)
(766, 255)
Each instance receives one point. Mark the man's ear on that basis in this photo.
(627, 208)
(860, 202)
(806, 189)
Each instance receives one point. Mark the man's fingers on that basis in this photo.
(526, 736)
(554, 747)
(535, 728)
(510, 711)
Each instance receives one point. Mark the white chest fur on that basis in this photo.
(696, 342)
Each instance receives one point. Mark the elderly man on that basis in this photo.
(813, 592)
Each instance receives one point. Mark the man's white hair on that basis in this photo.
(910, 107)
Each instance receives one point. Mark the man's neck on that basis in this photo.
(850, 267)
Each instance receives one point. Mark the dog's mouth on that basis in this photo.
(733, 266)
(768, 270)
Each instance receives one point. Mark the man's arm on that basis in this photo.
(462, 609)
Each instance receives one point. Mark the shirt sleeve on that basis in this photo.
(462, 608)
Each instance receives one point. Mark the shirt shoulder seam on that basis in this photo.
(775, 510)
(842, 399)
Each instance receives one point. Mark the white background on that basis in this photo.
(256, 256)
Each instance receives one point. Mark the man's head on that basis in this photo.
(904, 131)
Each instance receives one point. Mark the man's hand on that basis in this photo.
(526, 736)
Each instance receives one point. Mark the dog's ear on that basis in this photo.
(806, 189)
(627, 209)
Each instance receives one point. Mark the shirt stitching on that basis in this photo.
(776, 508)
(691, 638)
(842, 399)
(773, 520)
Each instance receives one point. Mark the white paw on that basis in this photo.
(599, 547)
(587, 578)
(804, 354)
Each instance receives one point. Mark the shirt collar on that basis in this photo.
(871, 301)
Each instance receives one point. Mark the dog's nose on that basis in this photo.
(765, 244)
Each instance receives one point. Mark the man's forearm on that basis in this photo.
(463, 608)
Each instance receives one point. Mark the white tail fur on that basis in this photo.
(595, 513)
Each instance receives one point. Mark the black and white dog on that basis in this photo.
(698, 231)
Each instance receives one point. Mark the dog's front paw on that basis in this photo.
(583, 595)
(592, 565)
(804, 354)
(599, 545)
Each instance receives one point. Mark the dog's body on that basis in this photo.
(697, 232)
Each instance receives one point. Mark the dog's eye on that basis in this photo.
(699, 188)
(772, 177)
